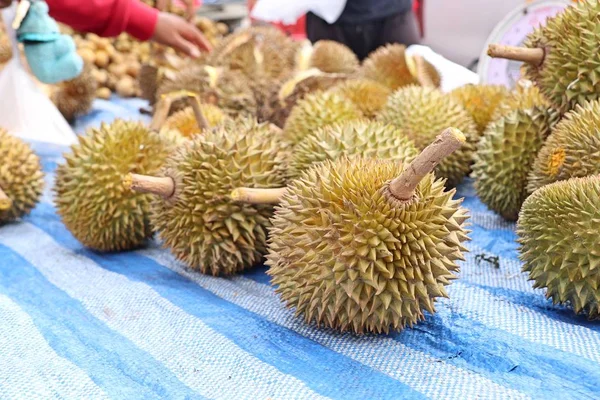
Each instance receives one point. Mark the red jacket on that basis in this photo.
(106, 17)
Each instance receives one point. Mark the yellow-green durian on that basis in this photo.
(186, 124)
(572, 150)
(348, 251)
(524, 96)
(368, 95)
(196, 218)
(420, 113)
(90, 197)
(21, 178)
(558, 237)
(480, 101)
(387, 65)
(372, 139)
(316, 110)
(333, 57)
(505, 156)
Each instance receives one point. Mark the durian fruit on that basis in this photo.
(558, 237)
(186, 121)
(21, 178)
(420, 113)
(91, 199)
(192, 209)
(423, 71)
(229, 90)
(480, 101)
(561, 56)
(387, 65)
(369, 96)
(504, 157)
(316, 110)
(75, 97)
(371, 139)
(572, 150)
(366, 245)
(277, 100)
(333, 57)
(525, 95)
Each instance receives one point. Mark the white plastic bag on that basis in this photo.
(288, 13)
(25, 110)
(453, 75)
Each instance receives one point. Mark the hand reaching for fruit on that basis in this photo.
(175, 32)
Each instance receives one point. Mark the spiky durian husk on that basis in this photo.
(21, 176)
(185, 122)
(520, 98)
(203, 227)
(229, 90)
(387, 65)
(333, 57)
(572, 150)
(480, 101)
(432, 72)
(570, 72)
(90, 196)
(558, 237)
(371, 139)
(316, 110)
(504, 157)
(347, 255)
(369, 96)
(421, 113)
(75, 97)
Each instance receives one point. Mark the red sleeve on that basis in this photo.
(106, 17)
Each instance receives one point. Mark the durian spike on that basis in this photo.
(257, 196)
(447, 142)
(5, 201)
(161, 186)
(533, 56)
(164, 107)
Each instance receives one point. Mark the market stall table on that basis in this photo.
(79, 324)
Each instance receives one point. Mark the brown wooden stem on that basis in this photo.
(447, 142)
(257, 196)
(5, 201)
(533, 56)
(163, 108)
(200, 118)
(160, 186)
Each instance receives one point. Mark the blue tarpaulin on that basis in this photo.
(75, 324)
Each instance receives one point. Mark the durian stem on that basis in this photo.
(161, 113)
(257, 196)
(5, 201)
(200, 118)
(447, 142)
(160, 186)
(164, 107)
(533, 56)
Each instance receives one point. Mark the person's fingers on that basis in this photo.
(182, 44)
(194, 35)
(190, 9)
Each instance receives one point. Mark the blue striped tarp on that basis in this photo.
(80, 325)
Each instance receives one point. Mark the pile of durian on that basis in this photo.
(342, 175)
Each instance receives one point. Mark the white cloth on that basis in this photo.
(288, 13)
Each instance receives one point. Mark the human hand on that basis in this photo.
(175, 32)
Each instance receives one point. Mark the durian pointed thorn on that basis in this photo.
(533, 56)
(5, 201)
(257, 196)
(447, 142)
(160, 186)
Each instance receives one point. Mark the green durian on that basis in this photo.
(21, 178)
(333, 57)
(387, 65)
(504, 157)
(367, 95)
(523, 97)
(572, 150)
(562, 56)
(192, 210)
(367, 245)
(558, 237)
(371, 139)
(480, 101)
(420, 113)
(315, 110)
(90, 197)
